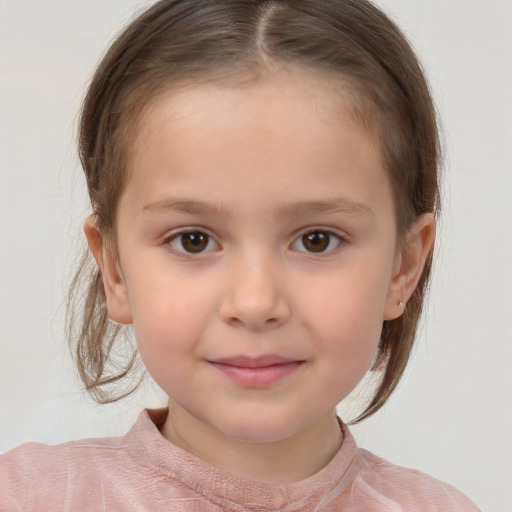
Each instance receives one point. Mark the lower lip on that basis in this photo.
(258, 377)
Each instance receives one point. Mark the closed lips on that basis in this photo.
(257, 372)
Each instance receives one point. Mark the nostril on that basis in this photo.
(254, 322)
(269, 322)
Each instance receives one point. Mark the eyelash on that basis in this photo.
(322, 236)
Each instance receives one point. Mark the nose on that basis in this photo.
(255, 297)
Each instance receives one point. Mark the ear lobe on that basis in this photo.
(409, 264)
(118, 305)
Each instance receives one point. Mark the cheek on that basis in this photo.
(353, 303)
(168, 320)
(346, 321)
(347, 341)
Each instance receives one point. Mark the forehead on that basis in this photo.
(320, 90)
(279, 132)
(302, 94)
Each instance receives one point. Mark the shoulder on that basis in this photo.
(409, 489)
(37, 473)
(88, 475)
(38, 458)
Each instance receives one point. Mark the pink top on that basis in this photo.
(142, 471)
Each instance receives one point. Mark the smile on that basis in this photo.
(258, 372)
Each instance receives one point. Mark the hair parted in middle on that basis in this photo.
(182, 43)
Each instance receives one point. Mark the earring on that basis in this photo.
(401, 304)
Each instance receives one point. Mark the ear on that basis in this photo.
(409, 264)
(118, 305)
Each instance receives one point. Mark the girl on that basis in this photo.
(263, 181)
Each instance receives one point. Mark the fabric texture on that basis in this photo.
(142, 471)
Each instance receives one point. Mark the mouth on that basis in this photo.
(257, 372)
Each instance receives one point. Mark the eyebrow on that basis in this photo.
(185, 206)
(299, 208)
(335, 205)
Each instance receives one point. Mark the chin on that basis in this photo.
(258, 430)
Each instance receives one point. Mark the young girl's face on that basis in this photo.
(257, 253)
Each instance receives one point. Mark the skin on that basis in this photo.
(254, 168)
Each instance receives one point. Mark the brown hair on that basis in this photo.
(177, 41)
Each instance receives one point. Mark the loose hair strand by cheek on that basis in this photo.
(104, 351)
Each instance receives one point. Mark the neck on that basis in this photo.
(278, 462)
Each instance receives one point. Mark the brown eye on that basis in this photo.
(193, 242)
(317, 242)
